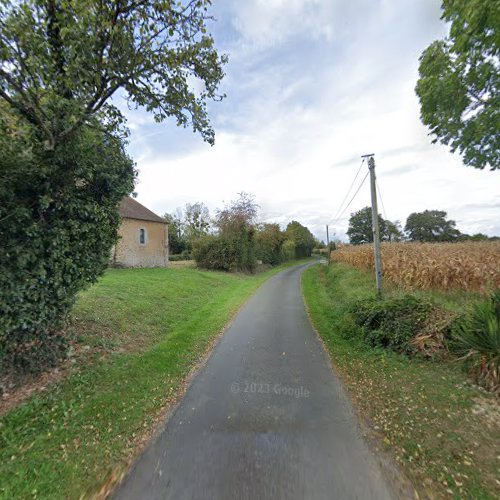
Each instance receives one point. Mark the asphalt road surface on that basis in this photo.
(265, 418)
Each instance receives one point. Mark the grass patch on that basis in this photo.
(68, 440)
(442, 430)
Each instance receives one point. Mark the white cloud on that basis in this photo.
(311, 86)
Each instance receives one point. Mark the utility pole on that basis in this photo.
(328, 244)
(376, 229)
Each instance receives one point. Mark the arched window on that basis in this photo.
(142, 236)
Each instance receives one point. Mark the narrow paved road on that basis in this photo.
(265, 418)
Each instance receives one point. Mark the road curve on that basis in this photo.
(265, 418)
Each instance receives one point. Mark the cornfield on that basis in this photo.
(473, 266)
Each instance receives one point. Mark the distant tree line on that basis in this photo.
(234, 240)
(426, 226)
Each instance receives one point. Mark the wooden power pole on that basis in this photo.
(376, 228)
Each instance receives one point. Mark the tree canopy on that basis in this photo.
(302, 238)
(196, 221)
(61, 62)
(459, 84)
(361, 228)
(176, 238)
(238, 215)
(269, 241)
(431, 225)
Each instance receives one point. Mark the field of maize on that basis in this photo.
(472, 266)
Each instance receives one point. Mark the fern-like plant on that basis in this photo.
(477, 339)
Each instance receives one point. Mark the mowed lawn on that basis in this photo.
(443, 431)
(143, 330)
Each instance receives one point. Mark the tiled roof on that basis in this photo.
(132, 209)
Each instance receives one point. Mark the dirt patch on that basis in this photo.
(14, 391)
(14, 394)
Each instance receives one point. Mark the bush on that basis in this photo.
(234, 252)
(288, 250)
(476, 337)
(302, 238)
(180, 257)
(268, 243)
(391, 323)
(59, 220)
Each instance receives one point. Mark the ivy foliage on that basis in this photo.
(391, 323)
(58, 221)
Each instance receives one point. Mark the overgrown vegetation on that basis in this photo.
(477, 339)
(63, 165)
(438, 426)
(391, 323)
(238, 241)
(144, 329)
(58, 221)
(232, 248)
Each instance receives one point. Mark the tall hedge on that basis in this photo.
(226, 252)
(269, 241)
(58, 222)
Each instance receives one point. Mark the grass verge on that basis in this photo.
(72, 438)
(443, 431)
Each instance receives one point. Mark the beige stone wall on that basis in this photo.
(129, 252)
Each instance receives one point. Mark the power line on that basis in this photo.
(352, 199)
(381, 200)
(349, 190)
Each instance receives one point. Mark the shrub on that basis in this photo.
(391, 323)
(268, 244)
(288, 250)
(234, 252)
(302, 238)
(59, 220)
(476, 338)
(180, 257)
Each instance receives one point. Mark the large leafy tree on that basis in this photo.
(392, 231)
(269, 241)
(197, 221)
(459, 84)
(301, 237)
(61, 62)
(431, 226)
(176, 239)
(239, 213)
(361, 229)
(63, 165)
(233, 247)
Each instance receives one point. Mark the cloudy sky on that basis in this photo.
(311, 86)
